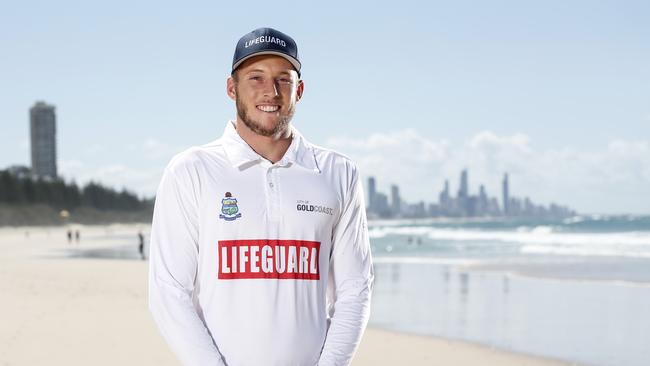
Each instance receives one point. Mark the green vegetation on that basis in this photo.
(40, 199)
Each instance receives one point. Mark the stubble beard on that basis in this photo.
(256, 127)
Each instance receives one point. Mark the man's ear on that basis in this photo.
(230, 88)
(300, 89)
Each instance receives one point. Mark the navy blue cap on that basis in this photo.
(266, 41)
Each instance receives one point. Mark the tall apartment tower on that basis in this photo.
(42, 126)
(463, 191)
(506, 195)
(445, 198)
(463, 195)
(372, 193)
(396, 201)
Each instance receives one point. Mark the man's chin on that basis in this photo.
(266, 127)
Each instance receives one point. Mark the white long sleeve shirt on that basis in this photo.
(254, 263)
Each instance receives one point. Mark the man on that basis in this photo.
(259, 248)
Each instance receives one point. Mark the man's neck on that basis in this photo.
(271, 148)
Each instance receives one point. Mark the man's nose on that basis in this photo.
(270, 89)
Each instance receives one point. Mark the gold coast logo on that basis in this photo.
(229, 209)
(302, 205)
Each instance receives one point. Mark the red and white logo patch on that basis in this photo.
(269, 258)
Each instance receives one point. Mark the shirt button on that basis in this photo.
(271, 185)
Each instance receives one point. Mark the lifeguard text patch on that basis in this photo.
(269, 258)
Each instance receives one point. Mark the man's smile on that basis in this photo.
(268, 108)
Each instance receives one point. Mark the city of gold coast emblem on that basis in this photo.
(229, 209)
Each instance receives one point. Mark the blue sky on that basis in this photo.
(557, 92)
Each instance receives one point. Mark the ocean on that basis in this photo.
(576, 289)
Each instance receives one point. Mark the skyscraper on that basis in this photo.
(463, 190)
(396, 201)
(42, 124)
(445, 199)
(483, 203)
(506, 195)
(464, 205)
(372, 193)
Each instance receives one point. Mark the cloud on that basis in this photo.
(615, 178)
(156, 149)
(141, 173)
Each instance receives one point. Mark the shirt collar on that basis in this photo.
(242, 156)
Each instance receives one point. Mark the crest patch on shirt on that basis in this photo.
(229, 209)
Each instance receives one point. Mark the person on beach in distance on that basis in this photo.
(141, 244)
(259, 251)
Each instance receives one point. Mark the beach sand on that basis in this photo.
(56, 310)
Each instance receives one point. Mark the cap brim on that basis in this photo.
(294, 62)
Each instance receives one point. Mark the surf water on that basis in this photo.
(576, 289)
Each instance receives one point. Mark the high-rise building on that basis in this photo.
(445, 199)
(506, 195)
(483, 203)
(463, 195)
(396, 201)
(381, 207)
(463, 191)
(372, 193)
(42, 125)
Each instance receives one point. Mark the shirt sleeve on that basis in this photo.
(173, 269)
(350, 280)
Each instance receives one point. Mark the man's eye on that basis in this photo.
(285, 81)
(256, 78)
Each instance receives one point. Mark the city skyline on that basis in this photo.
(463, 204)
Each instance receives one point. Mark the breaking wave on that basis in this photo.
(525, 239)
(538, 235)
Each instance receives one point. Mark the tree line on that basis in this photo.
(17, 190)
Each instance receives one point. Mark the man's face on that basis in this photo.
(265, 89)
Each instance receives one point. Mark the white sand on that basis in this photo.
(60, 311)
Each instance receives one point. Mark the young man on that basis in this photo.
(259, 248)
